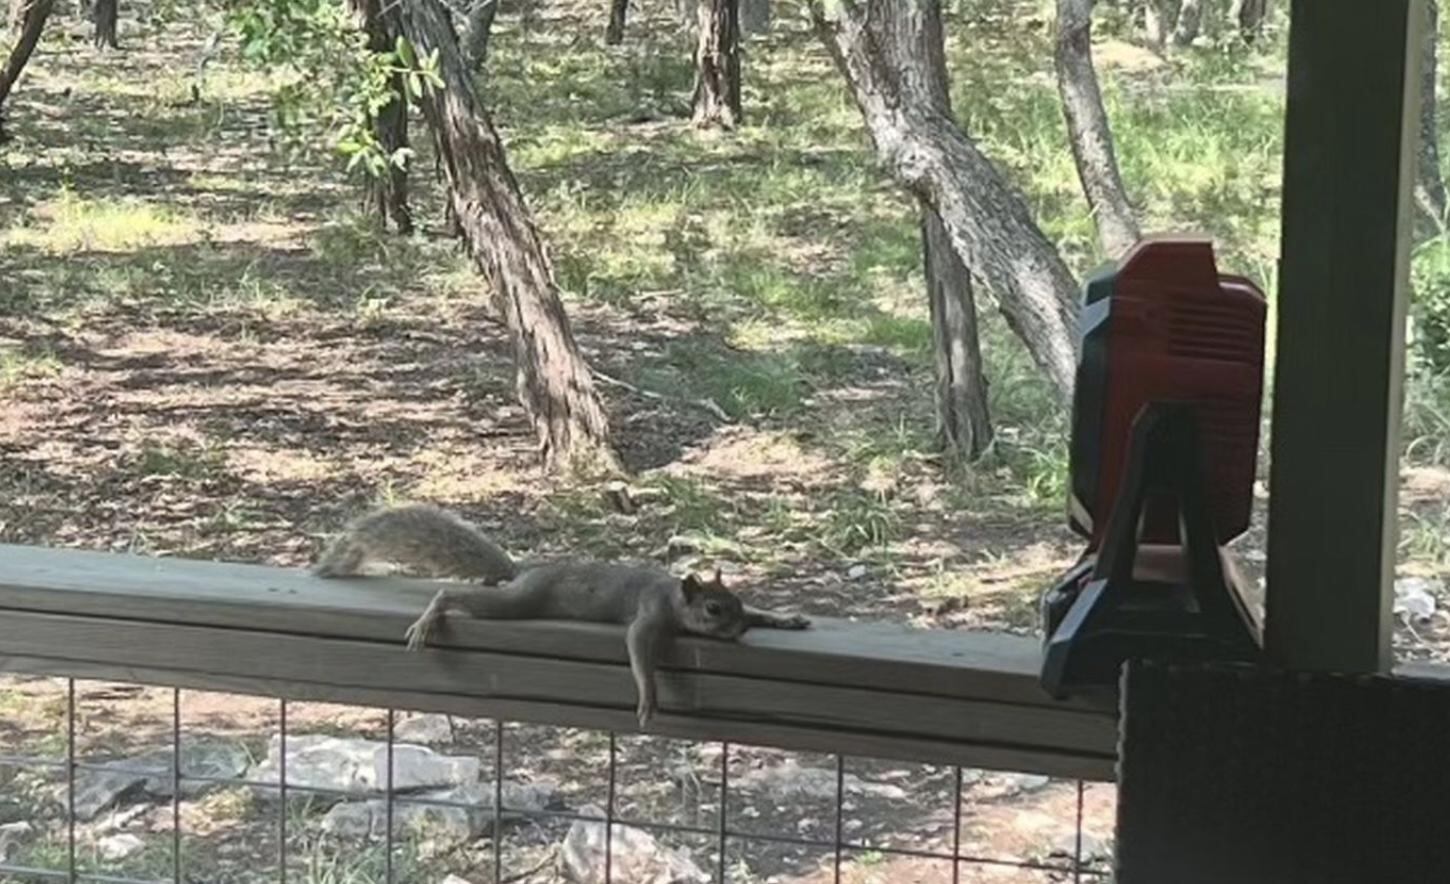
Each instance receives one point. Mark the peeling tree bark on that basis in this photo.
(28, 17)
(1429, 183)
(103, 16)
(1088, 131)
(875, 44)
(964, 422)
(553, 380)
(618, 12)
(717, 65)
(388, 194)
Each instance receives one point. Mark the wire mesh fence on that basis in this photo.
(201, 787)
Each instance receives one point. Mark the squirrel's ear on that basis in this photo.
(691, 587)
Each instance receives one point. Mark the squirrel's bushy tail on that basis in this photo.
(418, 536)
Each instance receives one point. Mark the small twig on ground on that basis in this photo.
(549, 856)
(707, 404)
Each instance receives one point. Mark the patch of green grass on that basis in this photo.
(73, 223)
(25, 362)
(180, 460)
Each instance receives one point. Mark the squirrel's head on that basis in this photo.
(711, 609)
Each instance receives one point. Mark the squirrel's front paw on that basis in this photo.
(795, 621)
(417, 636)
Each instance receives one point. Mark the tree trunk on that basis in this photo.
(30, 16)
(1190, 22)
(1158, 19)
(1429, 184)
(618, 12)
(476, 31)
(103, 15)
(964, 423)
(388, 193)
(554, 382)
(717, 65)
(1249, 15)
(1088, 131)
(880, 46)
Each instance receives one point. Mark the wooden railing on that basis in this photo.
(886, 691)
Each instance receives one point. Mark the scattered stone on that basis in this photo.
(13, 835)
(426, 729)
(213, 759)
(454, 879)
(856, 572)
(99, 788)
(444, 824)
(1007, 785)
(1415, 598)
(788, 780)
(635, 856)
(1094, 848)
(119, 847)
(358, 765)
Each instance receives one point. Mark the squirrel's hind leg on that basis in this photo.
(343, 559)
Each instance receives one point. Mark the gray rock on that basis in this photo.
(1000, 784)
(427, 730)
(214, 759)
(441, 823)
(1415, 598)
(358, 765)
(418, 767)
(1093, 847)
(636, 857)
(789, 781)
(454, 879)
(101, 787)
(118, 847)
(98, 789)
(13, 835)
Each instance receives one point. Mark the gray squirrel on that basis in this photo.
(654, 604)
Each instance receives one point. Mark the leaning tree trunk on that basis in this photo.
(387, 193)
(1429, 184)
(875, 44)
(554, 382)
(103, 15)
(1248, 16)
(1190, 22)
(618, 12)
(1088, 131)
(477, 29)
(964, 422)
(31, 16)
(717, 65)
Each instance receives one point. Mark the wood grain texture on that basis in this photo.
(877, 689)
(1349, 153)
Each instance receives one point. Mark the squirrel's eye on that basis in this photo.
(712, 608)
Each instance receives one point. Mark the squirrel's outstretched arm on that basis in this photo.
(643, 641)
(757, 617)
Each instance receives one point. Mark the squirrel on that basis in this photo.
(654, 604)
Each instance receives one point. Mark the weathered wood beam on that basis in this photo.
(1350, 136)
(868, 690)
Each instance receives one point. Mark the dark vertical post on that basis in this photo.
(1350, 135)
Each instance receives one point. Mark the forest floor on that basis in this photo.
(205, 351)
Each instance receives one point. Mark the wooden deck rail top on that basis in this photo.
(874, 690)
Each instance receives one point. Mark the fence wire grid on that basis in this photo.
(1077, 868)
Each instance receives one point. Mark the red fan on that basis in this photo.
(1165, 433)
